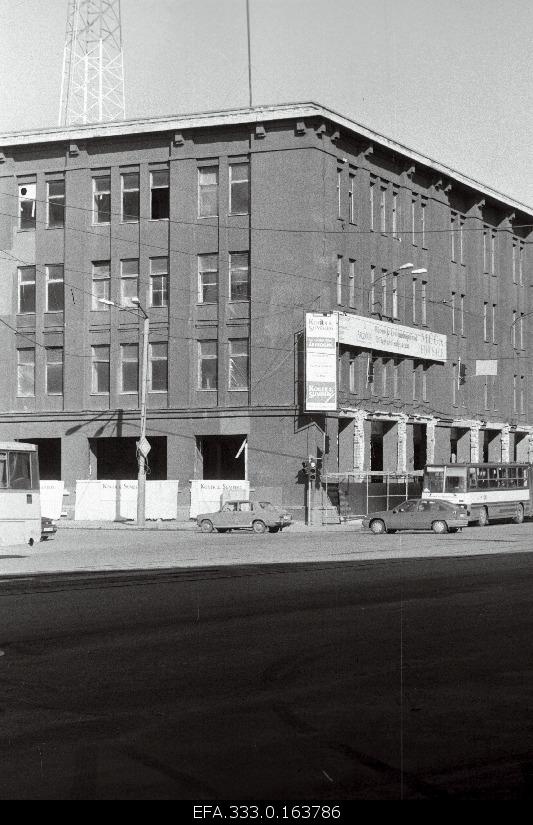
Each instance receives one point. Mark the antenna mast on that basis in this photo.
(92, 83)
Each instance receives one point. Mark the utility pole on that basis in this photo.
(92, 81)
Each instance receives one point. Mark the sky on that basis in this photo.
(450, 79)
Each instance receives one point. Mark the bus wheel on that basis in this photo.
(518, 517)
(483, 519)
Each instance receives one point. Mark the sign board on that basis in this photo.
(208, 495)
(52, 499)
(115, 500)
(369, 333)
(320, 361)
(486, 367)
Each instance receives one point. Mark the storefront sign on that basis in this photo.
(320, 361)
(369, 333)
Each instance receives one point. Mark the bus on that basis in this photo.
(489, 490)
(20, 500)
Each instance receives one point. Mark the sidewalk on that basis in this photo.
(190, 524)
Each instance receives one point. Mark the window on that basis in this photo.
(54, 371)
(238, 364)
(158, 282)
(351, 374)
(424, 302)
(423, 206)
(55, 197)
(383, 291)
(351, 198)
(158, 367)
(207, 365)
(455, 378)
(26, 372)
(129, 281)
(3, 470)
(493, 324)
(453, 227)
(462, 314)
(514, 392)
(19, 471)
(101, 287)
(384, 370)
(100, 369)
(413, 300)
(521, 263)
(372, 288)
(383, 208)
(514, 266)
(55, 297)
(239, 188)
(159, 195)
(413, 219)
(27, 194)
(351, 284)
(239, 276)
(394, 214)
(486, 393)
(522, 395)
(129, 368)
(26, 290)
(395, 376)
(208, 279)
(461, 239)
(130, 197)
(208, 192)
(492, 252)
(339, 190)
(485, 321)
(339, 279)
(102, 199)
(371, 196)
(416, 368)
(521, 330)
(425, 370)
(452, 302)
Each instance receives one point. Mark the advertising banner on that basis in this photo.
(207, 496)
(320, 361)
(369, 333)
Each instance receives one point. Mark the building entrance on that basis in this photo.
(419, 446)
(116, 458)
(49, 457)
(222, 457)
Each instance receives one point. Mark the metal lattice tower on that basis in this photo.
(92, 84)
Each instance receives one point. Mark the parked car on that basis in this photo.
(419, 514)
(236, 515)
(48, 528)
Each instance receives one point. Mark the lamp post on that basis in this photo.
(403, 267)
(143, 446)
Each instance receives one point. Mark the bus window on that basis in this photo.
(35, 479)
(3, 469)
(503, 480)
(493, 477)
(19, 471)
(433, 481)
(455, 482)
(521, 477)
(482, 480)
(472, 478)
(512, 476)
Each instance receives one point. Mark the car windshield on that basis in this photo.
(407, 506)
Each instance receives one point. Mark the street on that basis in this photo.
(392, 678)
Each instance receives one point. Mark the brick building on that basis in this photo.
(229, 227)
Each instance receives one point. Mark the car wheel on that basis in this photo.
(274, 529)
(518, 517)
(206, 526)
(439, 527)
(378, 526)
(483, 519)
(259, 526)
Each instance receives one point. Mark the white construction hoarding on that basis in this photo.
(116, 500)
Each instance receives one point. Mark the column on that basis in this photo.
(475, 427)
(402, 443)
(530, 446)
(506, 442)
(359, 440)
(430, 440)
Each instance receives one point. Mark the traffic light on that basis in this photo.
(310, 467)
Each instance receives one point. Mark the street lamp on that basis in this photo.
(143, 446)
(403, 267)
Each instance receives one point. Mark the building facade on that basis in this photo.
(228, 228)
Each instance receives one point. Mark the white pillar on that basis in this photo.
(530, 446)
(430, 440)
(359, 417)
(475, 427)
(506, 442)
(402, 443)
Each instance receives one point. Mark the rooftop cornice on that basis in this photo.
(237, 117)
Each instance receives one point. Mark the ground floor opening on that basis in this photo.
(116, 458)
(222, 457)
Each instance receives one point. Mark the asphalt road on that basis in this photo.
(392, 679)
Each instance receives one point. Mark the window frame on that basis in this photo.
(233, 268)
(50, 366)
(95, 374)
(205, 189)
(96, 306)
(101, 193)
(54, 280)
(130, 189)
(32, 291)
(23, 199)
(57, 201)
(20, 372)
(232, 366)
(128, 277)
(232, 183)
(202, 286)
(207, 357)
(160, 188)
(156, 360)
(126, 362)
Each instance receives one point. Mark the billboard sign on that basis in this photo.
(320, 361)
(369, 333)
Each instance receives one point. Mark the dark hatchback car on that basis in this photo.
(48, 528)
(419, 514)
